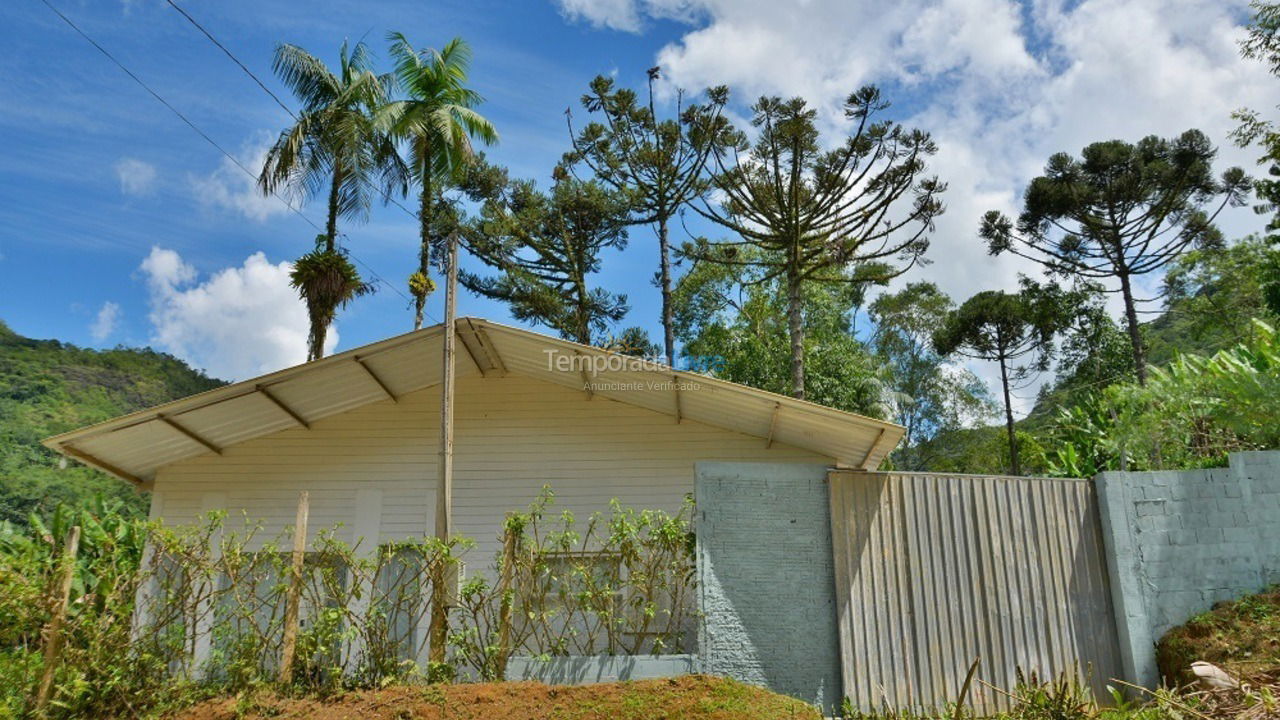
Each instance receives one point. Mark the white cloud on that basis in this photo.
(136, 177)
(615, 14)
(104, 324)
(230, 188)
(626, 15)
(240, 322)
(1002, 85)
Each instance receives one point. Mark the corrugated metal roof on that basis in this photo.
(134, 446)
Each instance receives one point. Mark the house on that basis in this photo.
(359, 431)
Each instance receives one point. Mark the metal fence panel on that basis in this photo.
(934, 571)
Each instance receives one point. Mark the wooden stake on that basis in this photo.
(444, 477)
(53, 631)
(293, 598)
(505, 577)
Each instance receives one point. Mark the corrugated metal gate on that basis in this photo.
(933, 571)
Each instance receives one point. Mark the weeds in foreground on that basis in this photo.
(1070, 698)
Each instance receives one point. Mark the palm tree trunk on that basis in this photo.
(795, 329)
(1015, 466)
(331, 224)
(316, 314)
(1135, 331)
(424, 251)
(668, 324)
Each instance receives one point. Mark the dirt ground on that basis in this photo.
(684, 698)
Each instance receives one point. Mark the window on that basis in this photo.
(581, 581)
(250, 607)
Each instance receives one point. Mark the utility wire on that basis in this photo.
(159, 98)
(234, 59)
(386, 196)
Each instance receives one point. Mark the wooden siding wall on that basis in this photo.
(933, 571)
(514, 435)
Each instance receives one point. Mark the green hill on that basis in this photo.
(48, 387)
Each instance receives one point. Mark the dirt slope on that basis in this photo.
(685, 698)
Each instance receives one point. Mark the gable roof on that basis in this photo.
(135, 446)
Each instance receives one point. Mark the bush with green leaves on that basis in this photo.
(1191, 413)
(619, 584)
(160, 616)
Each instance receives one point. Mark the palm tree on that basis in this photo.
(333, 147)
(439, 121)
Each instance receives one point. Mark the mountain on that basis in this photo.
(48, 387)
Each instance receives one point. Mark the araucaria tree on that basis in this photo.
(332, 149)
(545, 247)
(1120, 211)
(1015, 330)
(859, 213)
(438, 120)
(659, 163)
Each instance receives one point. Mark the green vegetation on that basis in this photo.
(1005, 328)
(335, 148)
(1191, 413)
(546, 247)
(806, 216)
(437, 119)
(658, 163)
(126, 646)
(48, 387)
(1119, 212)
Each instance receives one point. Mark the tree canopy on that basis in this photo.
(861, 212)
(1014, 330)
(658, 163)
(1119, 211)
(545, 248)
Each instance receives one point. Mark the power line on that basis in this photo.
(386, 196)
(234, 59)
(159, 98)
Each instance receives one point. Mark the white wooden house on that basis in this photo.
(360, 432)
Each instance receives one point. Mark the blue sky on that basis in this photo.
(95, 175)
(74, 234)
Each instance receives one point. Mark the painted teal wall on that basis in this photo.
(1179, 541)
(766, 578)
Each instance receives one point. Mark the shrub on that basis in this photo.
(145, 597)
(1190, 414)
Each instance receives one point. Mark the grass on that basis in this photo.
(683, 698)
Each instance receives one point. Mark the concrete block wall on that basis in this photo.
(1179, 541)
(766, 578)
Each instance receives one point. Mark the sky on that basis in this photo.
(120, 225)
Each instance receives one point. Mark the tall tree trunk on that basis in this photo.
(317, 314)
(795, 329)
(424, 250)
(668, 324)
(1135, 332)
(1015, 466)
(331, 225)
(582, 323)
(315, 338)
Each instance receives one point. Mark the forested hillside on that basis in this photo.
(48, 387)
